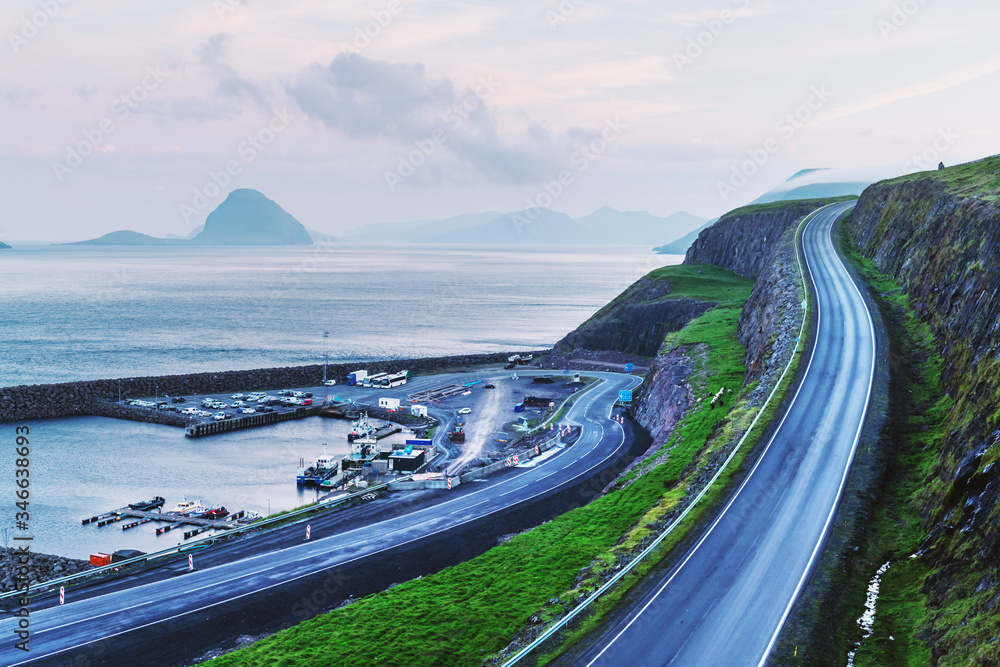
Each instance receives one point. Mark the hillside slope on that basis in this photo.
(936, 235)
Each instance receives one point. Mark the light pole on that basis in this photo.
(326, 348)
(269, 507)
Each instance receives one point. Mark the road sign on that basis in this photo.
(625, 396)
(629, 368)
(307, 532)
(190, 562)
(62, 594)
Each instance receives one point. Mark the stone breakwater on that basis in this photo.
(68, 399)
(39, 568)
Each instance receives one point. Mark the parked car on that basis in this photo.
(305, 401)
(285, 392)
(330, 383)
(465, 411)
(308, 394)
(238, 404)
(510, 366)
(265, 408)
(237, 397)
(489, 385)
(288, 401)
(205, 413)
(299, 394)
(219, 416)
(178, 399)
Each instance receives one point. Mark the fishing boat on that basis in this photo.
(148, 505)
(217, 513)
(324, 468)
(248, 517)
(361, 428)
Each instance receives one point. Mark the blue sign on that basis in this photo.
(629, 368)
(625, 396)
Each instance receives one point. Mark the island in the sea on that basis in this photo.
(246, 217)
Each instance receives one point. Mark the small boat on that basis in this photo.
(148, 505)
(361, 428)
(217, 513)
(249, 517)
(324, 468)
(187, 507)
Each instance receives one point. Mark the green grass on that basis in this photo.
(470, 611)
(979, 179)
(895, 529)
(770, 206)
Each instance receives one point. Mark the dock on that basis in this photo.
(174, 519)
(248, 421)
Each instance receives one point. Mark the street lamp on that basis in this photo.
(269, 507)
(326, 348)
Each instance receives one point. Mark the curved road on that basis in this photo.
(58, 633)
(726, 601)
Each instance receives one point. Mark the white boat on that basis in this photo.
(187, 506)
(361, 428)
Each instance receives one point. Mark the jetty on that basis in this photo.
(174, 519)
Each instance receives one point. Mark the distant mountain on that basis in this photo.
(4, 246)
(538, 226)
(128, 237)
(681, 245)
(808, 184)
(320, 237)
(247, 217)
(605, 226)
(419, 231)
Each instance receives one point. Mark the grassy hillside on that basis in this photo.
(470, 611)
(977, 179)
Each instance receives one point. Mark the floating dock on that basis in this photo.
(175, 519)
(438, 394)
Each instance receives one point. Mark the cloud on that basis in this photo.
(86, 92)
(202, 110)
(229, 84)
(368, 99)
(950, 80)
(20, 96)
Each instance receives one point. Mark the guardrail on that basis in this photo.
(561, 623)
(194, 546)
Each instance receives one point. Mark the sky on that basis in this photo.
(145, 115)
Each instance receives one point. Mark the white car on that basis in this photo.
(190, 411)
(465, 411)
(205, 413)
(237, 397)
(299, 394)
(238, 404)
(330, 383)
(219, 416)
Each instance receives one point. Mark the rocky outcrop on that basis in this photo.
(666, 395)
(636, 322)
(36, 568)
(937, 234)
(744, 241)
(67, 399)
(758, 242)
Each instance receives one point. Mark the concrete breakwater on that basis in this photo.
(36, 567)
(69, 399)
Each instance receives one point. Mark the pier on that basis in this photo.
(248, 421)
(175, 519)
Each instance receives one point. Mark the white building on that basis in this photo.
(387, 403)
(418, 410)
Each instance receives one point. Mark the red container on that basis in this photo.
(100, 560)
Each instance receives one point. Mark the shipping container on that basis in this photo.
(100, 560)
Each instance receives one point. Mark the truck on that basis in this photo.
(357, 377)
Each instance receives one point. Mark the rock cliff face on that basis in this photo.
(758, 242)
(938, 235)
(636, 322)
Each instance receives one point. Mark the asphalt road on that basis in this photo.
(727, 599)
(121, 624)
